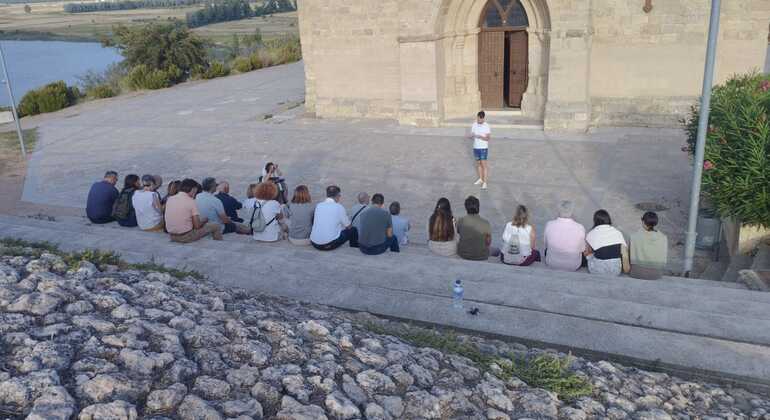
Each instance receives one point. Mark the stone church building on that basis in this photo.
(569, 64)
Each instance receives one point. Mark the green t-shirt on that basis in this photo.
(473, 231)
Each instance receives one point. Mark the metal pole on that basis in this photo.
(700, 146)
(13, 103)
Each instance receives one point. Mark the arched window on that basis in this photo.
(504, 14)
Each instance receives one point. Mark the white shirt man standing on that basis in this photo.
(481, 134)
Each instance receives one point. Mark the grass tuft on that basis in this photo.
(19, 247)
(549, 372)
(545, 371)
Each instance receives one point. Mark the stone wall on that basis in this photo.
(593, 62)
(647, 68)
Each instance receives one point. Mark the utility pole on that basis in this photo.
(13, 103)
(700, 145)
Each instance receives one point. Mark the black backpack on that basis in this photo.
(122, 207)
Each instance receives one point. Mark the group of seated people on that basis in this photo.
(191, 211)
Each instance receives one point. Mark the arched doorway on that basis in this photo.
(503, 54)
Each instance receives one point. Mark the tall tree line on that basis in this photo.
(126, 5)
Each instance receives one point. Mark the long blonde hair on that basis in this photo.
(520, 217)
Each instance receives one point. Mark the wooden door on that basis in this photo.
(491, 68)
(518, 67)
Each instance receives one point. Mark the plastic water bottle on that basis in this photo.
(457, 294)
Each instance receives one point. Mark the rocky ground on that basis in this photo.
(113, 344)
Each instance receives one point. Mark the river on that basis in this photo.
(32, 64)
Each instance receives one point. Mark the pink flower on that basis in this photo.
(764, 86)
(708, 165)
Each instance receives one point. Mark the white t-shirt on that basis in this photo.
(270, 209)
(329, 220)
(480, 130)
(147, 216)
(523, 233)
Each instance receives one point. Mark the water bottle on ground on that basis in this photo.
(457, 294)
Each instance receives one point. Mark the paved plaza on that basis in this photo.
(230, 127)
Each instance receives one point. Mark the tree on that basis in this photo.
(161, 46)
(27, 8)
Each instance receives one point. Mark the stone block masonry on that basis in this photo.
(591, 63)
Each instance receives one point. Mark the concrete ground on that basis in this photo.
(230, 127)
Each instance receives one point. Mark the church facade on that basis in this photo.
(572, 64)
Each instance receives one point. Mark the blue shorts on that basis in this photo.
(480, 154)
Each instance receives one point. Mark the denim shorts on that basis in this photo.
(480, 154)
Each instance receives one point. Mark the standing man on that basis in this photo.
(481, 133)
(101, 197)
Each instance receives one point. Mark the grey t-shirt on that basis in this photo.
(301, 220)
(374, 223)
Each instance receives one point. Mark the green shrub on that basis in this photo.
(256, 61)
(242, 65)
(215, 69)
(101, 91)
(49, 98)
(284, 50)
(140, 77)
(736, 176)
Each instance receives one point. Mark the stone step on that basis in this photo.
(80, 224)
(710, 331)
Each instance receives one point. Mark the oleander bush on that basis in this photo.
(49, 98)
(242, 65)
(736, 175)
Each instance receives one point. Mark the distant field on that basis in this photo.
(48, 20)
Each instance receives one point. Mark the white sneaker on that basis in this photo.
(478, 182)
(484, 186)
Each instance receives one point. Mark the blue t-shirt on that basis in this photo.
(401, 229)
(101, 197)
(210, 207)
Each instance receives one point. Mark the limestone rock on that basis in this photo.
(374, 382)
(293, 410)
(116, 410)
(35, 303)
(211, 388)
(340, 407)
(421, 404)
(55, 403)
(247, 407)
(194, 408)
(166, 400)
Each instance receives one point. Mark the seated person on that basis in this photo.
(264, 206)
(606, 250)
(272, 173)
(442, 239)
(123, 209)
(183, 221)
(648, 249)
(146, 202)
(401, 225)
(357, 209)
(376, 234)
(475, 234)
(301, 212)
(101, 198)
(519, 240)
(172, 189)
(231, 204)
(564, 240)
(331, 226)
(211, 208)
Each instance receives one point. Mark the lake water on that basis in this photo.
(32, 64)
